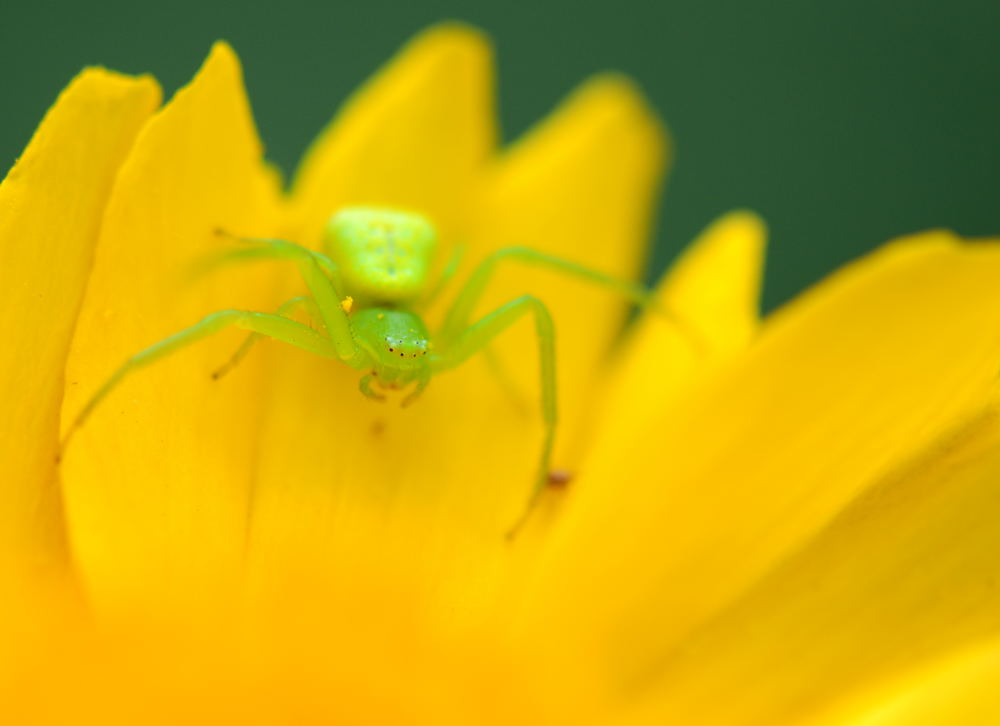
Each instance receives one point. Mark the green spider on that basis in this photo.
(363, 295)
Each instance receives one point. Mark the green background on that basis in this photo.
(844, 122)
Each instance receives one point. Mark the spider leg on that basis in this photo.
(273, 326)
(477, 336)
(366, 387)
(422, 381)
(450, 268)
(241, 352)
(458, 315)
(264, 248)
(322, 278)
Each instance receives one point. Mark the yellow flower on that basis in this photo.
(787, 522)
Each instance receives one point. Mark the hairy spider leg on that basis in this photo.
(286, 308)
(273, 326)
(479, 335)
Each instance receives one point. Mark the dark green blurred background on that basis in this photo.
(843, 122)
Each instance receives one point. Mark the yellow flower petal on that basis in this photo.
(962, 690)
(157, 480)
(581, 186)
(843, 387)
(50, 212)
(712, 295)
(415, 137)
(714, 288)
(903, 577)
(372, 505)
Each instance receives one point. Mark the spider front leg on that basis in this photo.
(321, 277)
(478, 336)
(273, 326)
(422, 381)
(365, 384)
(241, 352)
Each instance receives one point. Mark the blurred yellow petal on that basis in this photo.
(714, 288)
(842, 388)
(582, 186)
(962, 690)
(50, 214)
(711, 299)
(416, 136)
(157, 480)
(903, 577)
(302, 674)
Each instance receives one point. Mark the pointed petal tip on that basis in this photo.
(739, 226)
(737, 237)
(220, 63)
(222, 56)
(222, 49)
(745, 234)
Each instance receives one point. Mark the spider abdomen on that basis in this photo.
(384, 254)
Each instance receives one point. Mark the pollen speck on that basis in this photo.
(347, 304)
(380, 316)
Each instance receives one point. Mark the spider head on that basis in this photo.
(397, 341)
